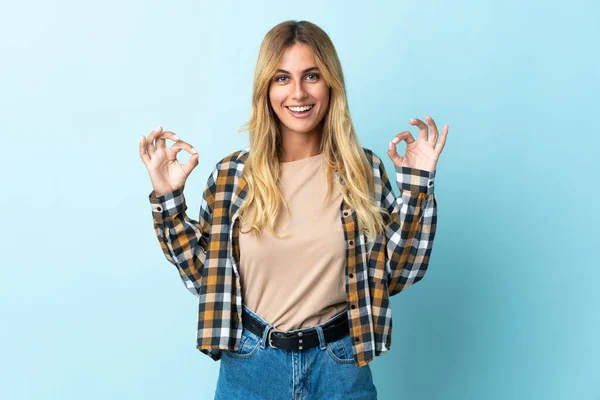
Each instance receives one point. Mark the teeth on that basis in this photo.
(298, 109)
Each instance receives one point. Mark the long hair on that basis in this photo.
(341, 149)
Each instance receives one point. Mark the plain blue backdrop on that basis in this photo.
(90, 307)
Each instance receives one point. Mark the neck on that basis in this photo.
(296, 146)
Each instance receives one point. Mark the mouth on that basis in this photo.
(303, 113)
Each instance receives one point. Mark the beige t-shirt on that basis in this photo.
(298, 281)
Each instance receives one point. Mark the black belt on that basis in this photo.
(332, 330)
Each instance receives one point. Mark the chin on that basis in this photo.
(301, 128)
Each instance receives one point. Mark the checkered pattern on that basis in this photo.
(206, 253)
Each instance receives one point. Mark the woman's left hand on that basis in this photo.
(424, 152)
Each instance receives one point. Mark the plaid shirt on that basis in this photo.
(206, 253)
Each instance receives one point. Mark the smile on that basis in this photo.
(301, 112)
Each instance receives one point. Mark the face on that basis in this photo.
(297, 83)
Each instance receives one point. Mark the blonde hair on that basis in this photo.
(341, 149)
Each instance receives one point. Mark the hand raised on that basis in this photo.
(424, 152)
(165, 172)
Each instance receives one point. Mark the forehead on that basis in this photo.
(297, 58)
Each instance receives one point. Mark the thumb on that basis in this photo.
(191, 164)
(393, 153)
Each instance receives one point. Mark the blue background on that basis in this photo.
(509, 309)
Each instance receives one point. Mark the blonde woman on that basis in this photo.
(300, 240)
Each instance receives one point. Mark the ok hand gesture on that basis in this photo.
(165, 172)
(424, 152)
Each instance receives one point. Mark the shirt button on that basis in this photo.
(158, 208)
(356, 340)
(351, 276)
(351, 242)
(353, 306)
(345, 213)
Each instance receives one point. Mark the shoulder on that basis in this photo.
(234, 160)
(374, 159)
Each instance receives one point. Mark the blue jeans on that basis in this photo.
(258, 371)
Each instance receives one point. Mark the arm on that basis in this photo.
(184, 241)
(410, 231)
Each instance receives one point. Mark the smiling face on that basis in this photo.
(298, 82)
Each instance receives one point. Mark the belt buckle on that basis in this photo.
(269, 338)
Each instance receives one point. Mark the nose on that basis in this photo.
(299, 91)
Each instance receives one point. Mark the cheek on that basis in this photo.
(324, 101)
(276, 98)
(322, 95)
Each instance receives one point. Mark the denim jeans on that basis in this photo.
(258, 371)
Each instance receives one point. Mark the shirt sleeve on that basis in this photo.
(184, 241)
(410, 231)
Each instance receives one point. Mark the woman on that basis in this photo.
(302, 307)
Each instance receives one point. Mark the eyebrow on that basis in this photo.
(305, 71)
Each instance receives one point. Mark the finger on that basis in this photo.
(161, 139)
(158, 140)
(191, 163)
(422, 128)
(143, 152)
(393, 152)
(434, 130)
(150, 140)
(440, 146)
(183, 145)
(406, 135)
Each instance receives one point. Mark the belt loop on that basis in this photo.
(265, 336)
(268, 327)
(322, 343)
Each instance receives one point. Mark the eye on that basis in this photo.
(280, 76)
(315, 75)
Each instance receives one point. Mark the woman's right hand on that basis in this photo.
(165, 172)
